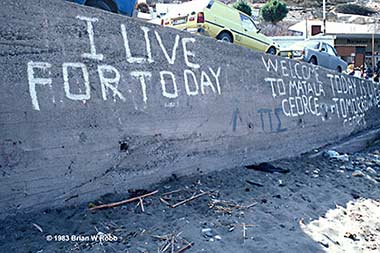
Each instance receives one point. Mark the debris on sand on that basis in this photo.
(173, 243)
(350, 229)
(267, 167)
(38, 227)
(207, 232)
(166, 197)
(245, 226)
(254, 183)
(332, 154)
(138, 198)
(227, 207)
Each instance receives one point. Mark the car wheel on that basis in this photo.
(313, 61)
(224, 36)
(101, 4)
(271, 51)
(339, 69)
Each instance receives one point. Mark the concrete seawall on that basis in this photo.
(92, 103)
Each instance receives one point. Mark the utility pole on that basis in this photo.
(306, 30)
(324, 17)
(373, 44)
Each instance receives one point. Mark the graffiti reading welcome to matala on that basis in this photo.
(305, 94)
(196, 80)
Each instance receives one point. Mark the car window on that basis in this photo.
(247, 23)
(323, 48)
(331, 50)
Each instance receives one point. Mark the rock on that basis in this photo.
(351, 236)
(280, 183)
(370, 170)
(331, 154)
(358, 173)
(360, 159)
(343, 158)
(355, 194)
(371, 179)
(349, 167)
(376, 161)
(207, 232)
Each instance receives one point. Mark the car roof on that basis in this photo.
(196, 6)
(187, 7)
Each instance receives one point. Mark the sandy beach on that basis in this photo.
(323, 204)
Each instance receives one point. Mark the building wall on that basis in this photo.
(287, 41)
(350, 49)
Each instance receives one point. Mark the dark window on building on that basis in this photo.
(316, 29)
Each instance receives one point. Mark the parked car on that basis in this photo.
(215, 19)
(317, 53)
(125, 7)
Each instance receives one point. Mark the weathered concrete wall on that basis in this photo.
(92, 102)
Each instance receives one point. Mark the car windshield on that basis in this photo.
(331, 50)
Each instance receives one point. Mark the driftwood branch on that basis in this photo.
(165, 202)
(189, 199)
(188, 246)
(168, 193)
(245, 229)
(139, 198)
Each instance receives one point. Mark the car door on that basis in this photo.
(249, 34)
(323, 57)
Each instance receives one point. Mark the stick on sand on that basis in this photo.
(189, 199)
(188, 246)
(139, 198)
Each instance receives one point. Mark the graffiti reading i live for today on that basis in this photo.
(196, 80)
(304, 93)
